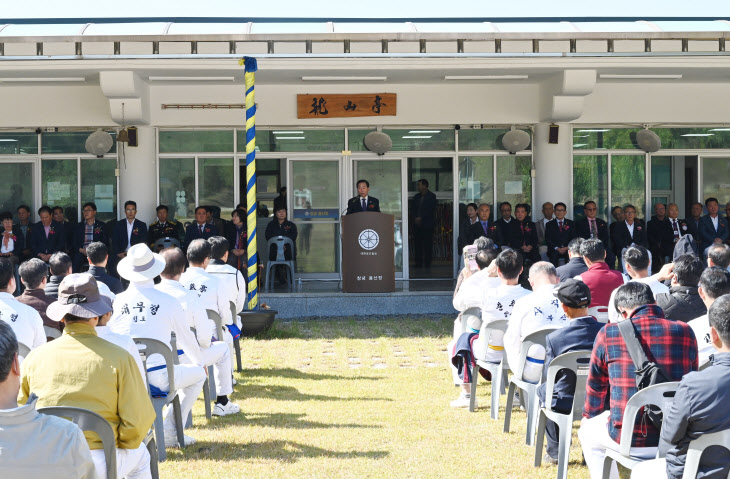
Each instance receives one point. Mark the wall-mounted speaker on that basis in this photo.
(553, 134)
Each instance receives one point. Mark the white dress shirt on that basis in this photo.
(195, 313)
(631, 228)
(231, 280)
(715, 221)
(701, 327)
(145, 312)
(211, 294)
(675, 223)
(130, 227)
(125, 342)
(471, 291)
(539, 309)
(25, 321)
(497, 304)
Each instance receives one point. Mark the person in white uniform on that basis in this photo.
(124, 341)
(25, 321)
(214, 353)
(714, 282)
(144, 312)
(636, 262)
(471, 292)
(539, 309)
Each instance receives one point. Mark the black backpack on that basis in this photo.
(647, 372)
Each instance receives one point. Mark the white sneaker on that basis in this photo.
(229, 408)
(463, 401)
(234, 381)
(171, 440)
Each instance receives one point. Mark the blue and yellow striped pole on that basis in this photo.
(250, 67)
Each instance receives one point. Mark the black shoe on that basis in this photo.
(548, 459)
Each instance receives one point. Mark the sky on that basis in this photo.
(362, 9)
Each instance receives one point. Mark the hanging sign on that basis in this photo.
(324, 105)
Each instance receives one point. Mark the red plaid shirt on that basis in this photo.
(671, 344)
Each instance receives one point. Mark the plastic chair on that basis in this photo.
(280, 242)
(529, 390)
(578, 362)
(600, 313)
(90, 421)
(705, 365)
(52, 332)
(236, 341)
(497, 370)
(468, 313)
(151, 445)
(147, 347)
(163, 243)
(215, 317)
(206, 395)
(698, 446)
(660, 395)
(23, 350)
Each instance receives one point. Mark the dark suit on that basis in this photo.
(505, 229)
(623, 239)
(354, 205)
(23, 242)
(424, 207)
(524, 234)
(120, 239)
(55, 242)
(579, 335)
(693, 228)
(465, 235)
(286, 229)
(193, 233)
(708, 234)
(572, 268)
(101, 275)
(492, 232)
(584, 231)
(661, 240)
(100, 234)
(171, 229)
(559, 238)
(232, 234)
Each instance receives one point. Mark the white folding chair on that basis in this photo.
(497, 370)
(698, 446)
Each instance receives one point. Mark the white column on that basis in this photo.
(553, 174)
(138, 180)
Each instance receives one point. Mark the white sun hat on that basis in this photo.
(140, 264)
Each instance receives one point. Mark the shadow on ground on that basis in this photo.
(291, 373)
(289, 393)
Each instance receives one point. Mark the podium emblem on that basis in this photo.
(368, 239)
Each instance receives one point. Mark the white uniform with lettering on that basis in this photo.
(497, 304)
(214, 353)
(232, 281)
(701, 327)
(25, 321)
(144, 312)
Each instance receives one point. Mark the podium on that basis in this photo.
(368, 250)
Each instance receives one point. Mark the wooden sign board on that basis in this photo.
(345, 106)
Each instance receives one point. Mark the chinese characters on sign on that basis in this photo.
(323, 105)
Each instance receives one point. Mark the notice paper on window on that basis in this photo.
(104, 191)
(512, 187)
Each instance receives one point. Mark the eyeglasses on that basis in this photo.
(629, 212)
(130, 211)
(87, 210)
(560, 209)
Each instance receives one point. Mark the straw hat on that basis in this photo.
(140, 264)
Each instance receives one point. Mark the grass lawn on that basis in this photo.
(355, 399)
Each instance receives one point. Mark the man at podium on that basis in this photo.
(363, 202)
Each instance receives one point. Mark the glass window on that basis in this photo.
(487, 139)
(316, 185)
(590, 183)
(438, 171)
(215, 184)
(59, 185)
(385, 184)
(514, 181)
(17, 187)
(317, 247)
(287, 139)
(194, 141)
(661, 172)
(99, 184)
(268, 176)
(18, 144)
(417, 139)
(69, 142)
(672, 138)
(177, 187)
(628, 182)
(476, 181)
(716, 180)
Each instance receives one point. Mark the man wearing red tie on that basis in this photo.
(363, 202)
(199, 229)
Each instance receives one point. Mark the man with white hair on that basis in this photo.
(215, 353)
(539, 309)
(144, 312)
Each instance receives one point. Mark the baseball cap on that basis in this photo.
(573, 293)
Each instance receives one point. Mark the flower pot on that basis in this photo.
(255, 322)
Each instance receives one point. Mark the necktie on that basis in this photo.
(484, 227)
(560, 225)
(200, 227)
(676, 230)
(522, 228)
(594, 233)
(364, 205)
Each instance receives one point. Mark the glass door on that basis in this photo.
(17, 186)
(313, 196)
(385, 176)
(715, 179)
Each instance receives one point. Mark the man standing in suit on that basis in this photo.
(363, 202)
(128, 233)
(87, 232)
(713, 228)
(660, 237)
(629, 232)
(424, 222)
(47, 236)
(578, 335)
(200, 229)
(485, 226)
(594, 227)
(558, 234)
(540, 226)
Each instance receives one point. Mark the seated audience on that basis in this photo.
(541, 225)
(473, 286)
(24, 320)
(213, 217)
(713, 228)
(68, 230)
(636, 262)
(683, 302)
(164, 227)
(23, 229)
(599, 277)
(629, 232)
(677, 227)
(485, 226)
(693, 222)
(523, 239)
(47, 236)
(535, 311)
(11, 246)
(214, 353)
(660, 237)
(558, 235)
(465, 237)
(593, 227)
(237, 236)
(60, 265)
(698, 408)
(497, 303)
(34, 445)
(482, 243)
(82, 370)
(98, 257)
(576, 265)
(280, 226)
(199, 229)
(611, 377)
(87, 232)
(144, 312)
(714, 283)
(124, 341)
(718, 255)
(228, 277)
(617, 213)
(127, 233)
(33, 274)
(504, 223)
(578, 335)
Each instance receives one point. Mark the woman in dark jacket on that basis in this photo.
(683, 302)
(237, 236)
